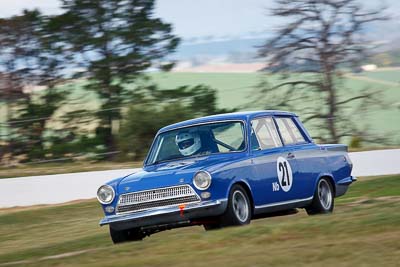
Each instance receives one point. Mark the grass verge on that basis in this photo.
(364, 230)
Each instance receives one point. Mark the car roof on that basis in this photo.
(244, 115)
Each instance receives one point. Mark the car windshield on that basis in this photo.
(204, 139)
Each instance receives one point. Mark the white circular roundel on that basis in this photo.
(285, 176)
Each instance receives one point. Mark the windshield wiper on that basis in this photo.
(156, 162)
(165, 160)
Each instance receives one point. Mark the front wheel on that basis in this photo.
(323, 201)
(238, 211)
(120, 236)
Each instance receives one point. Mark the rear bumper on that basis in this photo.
(166, 215)
(343, 185)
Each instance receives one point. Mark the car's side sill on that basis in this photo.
(296, 203)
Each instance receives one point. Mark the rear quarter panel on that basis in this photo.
(316, 161)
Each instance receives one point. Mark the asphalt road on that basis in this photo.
(60, 188)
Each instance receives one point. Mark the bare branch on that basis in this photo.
(354, 98)
(320, 38)
(295, 83)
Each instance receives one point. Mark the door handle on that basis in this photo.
(290, 155)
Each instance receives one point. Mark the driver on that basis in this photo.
(188, 143)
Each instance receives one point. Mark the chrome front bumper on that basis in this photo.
(164, 215)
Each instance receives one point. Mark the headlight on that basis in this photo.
(105, 194)
(202, 180)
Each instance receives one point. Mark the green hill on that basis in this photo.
(239, 90)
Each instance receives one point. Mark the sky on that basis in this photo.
(221, 18)
(194, 19)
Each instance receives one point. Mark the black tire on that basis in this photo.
(324, 200)
(238, 211)
(120, 236)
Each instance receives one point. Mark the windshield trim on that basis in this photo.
(244, 124)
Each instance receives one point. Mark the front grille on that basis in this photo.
(155, 198)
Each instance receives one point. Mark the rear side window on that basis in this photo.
(289, 131)
(264, 134)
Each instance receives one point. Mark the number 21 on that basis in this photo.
(285, 174)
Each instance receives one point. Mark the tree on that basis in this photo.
(10, 93)
(29, 57)
(114, 42)
(153, 108)
(320, 38)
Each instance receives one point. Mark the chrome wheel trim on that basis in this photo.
(240, 206)
(325, 194)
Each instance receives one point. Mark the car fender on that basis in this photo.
(248, 189)
(325, 174)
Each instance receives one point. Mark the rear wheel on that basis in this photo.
(120, 236)
(323, 201)
(238, 211)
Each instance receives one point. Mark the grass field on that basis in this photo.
(239, 90)
(363, 231)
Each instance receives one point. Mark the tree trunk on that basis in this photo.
(332, 107)
(7, 133)
(110, 138)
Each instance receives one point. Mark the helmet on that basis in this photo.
(188, 143)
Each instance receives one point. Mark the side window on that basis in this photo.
(264, 134)
(230, 135)
(289, 131)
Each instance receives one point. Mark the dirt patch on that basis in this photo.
(52, 257)
(15, 263)
(367, 200)
(368, 79)
(68, 254)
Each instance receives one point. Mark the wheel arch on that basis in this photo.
(330, 179)
(249, 193)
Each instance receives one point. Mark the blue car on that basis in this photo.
(224, 170)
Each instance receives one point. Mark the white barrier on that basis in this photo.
(376, 162)
(60, 188)
(52, 189)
